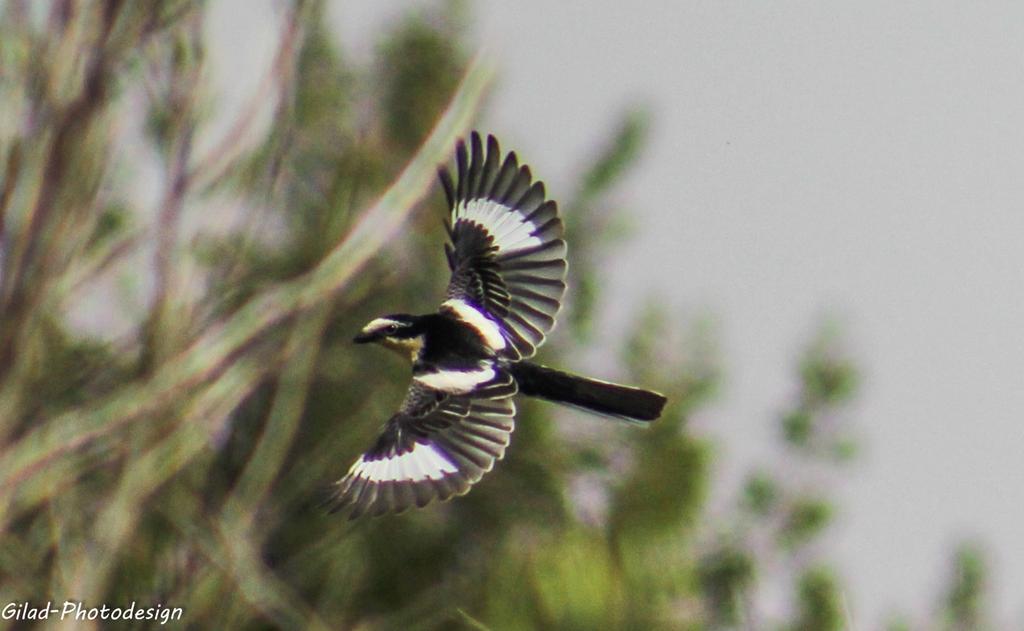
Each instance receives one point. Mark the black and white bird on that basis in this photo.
(469, 359)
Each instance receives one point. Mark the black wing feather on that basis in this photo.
(506, 241)
(437, 446)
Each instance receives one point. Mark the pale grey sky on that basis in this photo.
(859, 161)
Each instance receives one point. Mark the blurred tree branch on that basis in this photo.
(206, 357)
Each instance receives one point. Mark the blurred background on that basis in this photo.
(799, 222)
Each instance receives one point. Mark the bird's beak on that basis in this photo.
(363, 338)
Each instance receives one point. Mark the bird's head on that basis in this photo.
(399, 332)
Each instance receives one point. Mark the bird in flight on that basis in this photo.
(508, 264)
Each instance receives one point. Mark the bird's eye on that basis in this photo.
(392, 328)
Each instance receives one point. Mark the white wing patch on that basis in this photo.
(456, 381)
(422, 462)
(486, 327)
(509, 228)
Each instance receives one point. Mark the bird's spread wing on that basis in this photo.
(506, 254)
(435, 447)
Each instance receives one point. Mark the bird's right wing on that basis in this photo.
(507, 255)
(435, 447)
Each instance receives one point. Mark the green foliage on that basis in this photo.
(420, 64)
(589, 223)
(797, 427)
(964, 607)
(112, 222)
(726, 575)
(761, 494)
(616, 159)
(664, 491)
(783, 509)
(805, 520)
(594, 599)
(819, 602)
(898, 624)
(827, 379)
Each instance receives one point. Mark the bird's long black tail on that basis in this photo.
(593, 395)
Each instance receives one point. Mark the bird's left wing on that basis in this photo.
(435, 447)
(507, 255)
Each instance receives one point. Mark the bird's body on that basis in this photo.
(434, 338)
(469, 359)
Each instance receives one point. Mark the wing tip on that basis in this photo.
(447, 184)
